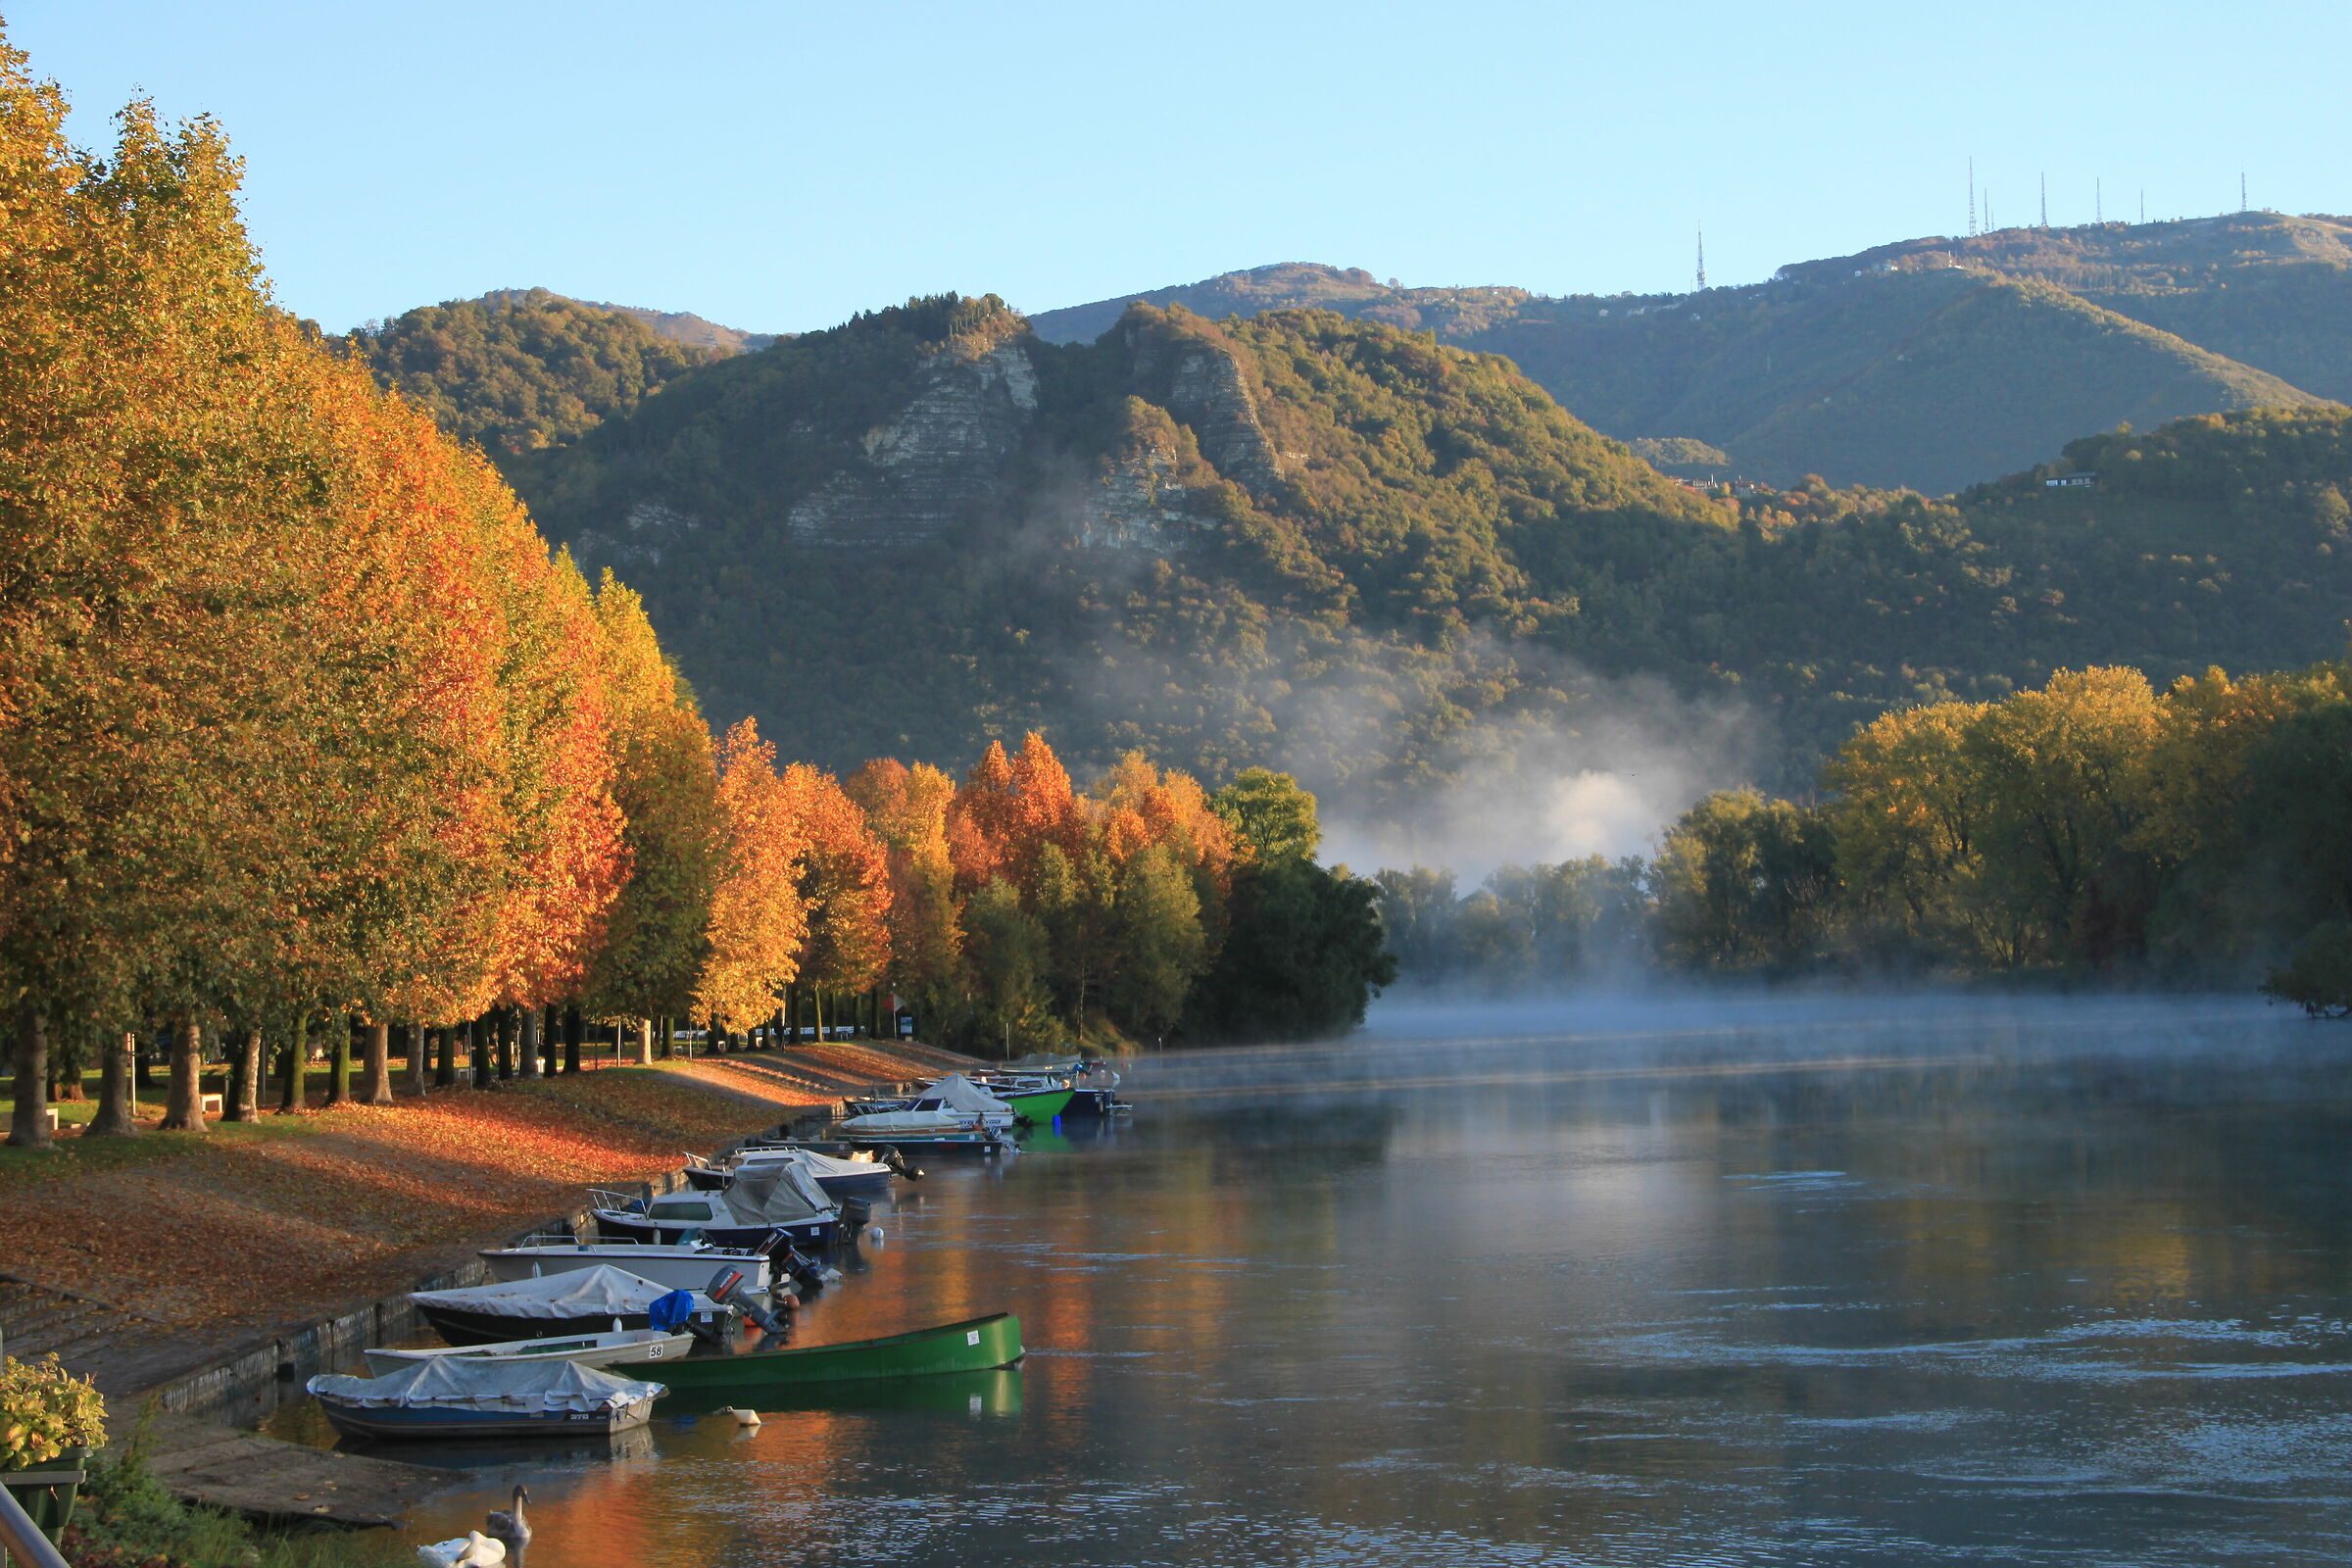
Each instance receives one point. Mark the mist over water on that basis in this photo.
(1868, 1279)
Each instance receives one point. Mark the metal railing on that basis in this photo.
(19, 1541)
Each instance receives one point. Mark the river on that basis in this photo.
(1876, 1280)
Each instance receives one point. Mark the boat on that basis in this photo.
(767, 1202)
(611, 1347)
(572, 1304)
(676, 1266)
(976, 1344)
(1035, 1098)
(459, 1397)
(951, 1141)
(954, 1098)
(855, 1173)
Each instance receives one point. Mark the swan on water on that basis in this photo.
(508, 1526)
(473, 1550)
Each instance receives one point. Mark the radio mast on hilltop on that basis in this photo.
(2045, 201)
(1702, 257)
(2098, 201)
(1972, 198)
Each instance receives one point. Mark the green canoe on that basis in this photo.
(973, 1346)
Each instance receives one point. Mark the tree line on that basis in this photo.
(2093, 825)
(305, 732)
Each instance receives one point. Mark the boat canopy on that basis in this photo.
(481, 1383)
(598, 1292)
(776, 1193)
(959, 1094)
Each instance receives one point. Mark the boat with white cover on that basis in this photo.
(612, 1347)
(677, 1266)
(567, 1302)
(456, 1397)
(861, 1175)
(952, 1105)
(764, 1202)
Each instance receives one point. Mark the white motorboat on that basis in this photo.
(955, 1104)
(612, 1347)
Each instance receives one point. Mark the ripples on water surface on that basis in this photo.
(1859, 1283)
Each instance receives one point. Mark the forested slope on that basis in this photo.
(1341, 547)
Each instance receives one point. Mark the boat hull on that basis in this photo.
(614, 1226)
(461, 1327)
(588, 1350)
(357, 1421)
(978, 1344)
(1037, 1106)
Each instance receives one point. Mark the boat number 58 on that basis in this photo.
(973, 1338)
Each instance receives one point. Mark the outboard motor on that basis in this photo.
(897, 1163)
(726, 1289)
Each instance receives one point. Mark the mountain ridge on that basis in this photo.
(1738, 367)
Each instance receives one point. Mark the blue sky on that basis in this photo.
(779, 165)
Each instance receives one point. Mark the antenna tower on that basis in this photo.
(2241, 190)
(2045, 201)
(1972, 198)
(2098, 202)
(1702, 257)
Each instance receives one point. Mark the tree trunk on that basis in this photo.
(531, 1023)
(645, 1042)
(244, 1100)
(420, 1050)
(338, 1060)
(139, 1059)
(117, 1115)
(185, 1111)
(663, 1042)
(477, 1054)
(28, 1127)
(573, 1027)
(69, 1054)
(375, 1077)
(298, 1050)
(445, 1061)
(506, 1024)
(817, 1011)
(791, 1014)
(253, 1058)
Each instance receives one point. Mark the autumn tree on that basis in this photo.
(758, 922)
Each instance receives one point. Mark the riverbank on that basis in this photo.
(139, 1260)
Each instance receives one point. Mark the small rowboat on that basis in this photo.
(977, 1344)
(612, 1347)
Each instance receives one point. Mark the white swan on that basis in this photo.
(473, 1550)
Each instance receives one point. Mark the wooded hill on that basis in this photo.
(1339, 546)
(1928, 363)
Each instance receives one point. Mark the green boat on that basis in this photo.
(1036, 1106)
(976, 1344)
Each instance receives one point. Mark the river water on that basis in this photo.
(1853, 1282)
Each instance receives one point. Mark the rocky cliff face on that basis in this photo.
(1187, 367)
(943, 457)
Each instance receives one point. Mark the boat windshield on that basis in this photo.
(679, 1210)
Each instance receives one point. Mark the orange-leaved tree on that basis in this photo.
(758, 921)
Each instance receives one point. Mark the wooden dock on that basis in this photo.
(263, 1478)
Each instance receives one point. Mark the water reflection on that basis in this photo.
(2065, 1285)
